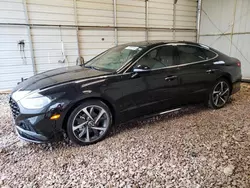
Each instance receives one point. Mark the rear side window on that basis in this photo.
(190, 54)
(209, 54)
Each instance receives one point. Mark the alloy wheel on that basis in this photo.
(90, 123)
(221, 94)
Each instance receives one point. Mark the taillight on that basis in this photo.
(238, 64)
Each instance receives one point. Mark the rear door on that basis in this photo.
(196, 73)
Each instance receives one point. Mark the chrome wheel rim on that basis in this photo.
(220, 94)
(90, 123)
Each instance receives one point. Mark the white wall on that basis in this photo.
(12, 66)
(47, 41)
(230, 17)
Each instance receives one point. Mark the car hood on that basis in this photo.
(57, 76)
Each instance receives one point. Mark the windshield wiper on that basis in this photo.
(99, 69)
(92, 67)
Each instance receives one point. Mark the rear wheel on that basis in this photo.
(89, 123)
(219, 94)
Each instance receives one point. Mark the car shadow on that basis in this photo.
(139, 123)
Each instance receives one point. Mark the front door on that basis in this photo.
(154, 90)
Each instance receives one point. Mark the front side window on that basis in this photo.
(114, 58)
(190, 54)
(158, 58)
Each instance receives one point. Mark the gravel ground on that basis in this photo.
(195, 147)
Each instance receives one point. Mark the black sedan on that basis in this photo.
(123, 83)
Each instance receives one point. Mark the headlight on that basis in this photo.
(19, 95)
(35, 101)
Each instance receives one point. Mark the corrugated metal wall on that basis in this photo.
(64, 29)
(93, 41)
(131, 13)
(225, 26)
(47, 42)
(12, 66)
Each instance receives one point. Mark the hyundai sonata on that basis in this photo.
(123, 83)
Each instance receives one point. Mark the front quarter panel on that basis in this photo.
(105, 88)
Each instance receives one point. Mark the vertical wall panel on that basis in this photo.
(185, 36)
(51, 12)
(242, 42)
(125, 36)
(186, 12)
(50, 43)
(13, 64)
(131, 13)
(231, 18)
(160, 13)
(221, 14)
(95, 41)
(242, 23)
(11, 11)
(48, 46)
(160, 35)
(95, 12)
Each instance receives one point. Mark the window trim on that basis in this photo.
(162, 45)
(174, 66)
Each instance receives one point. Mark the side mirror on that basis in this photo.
(141, 68)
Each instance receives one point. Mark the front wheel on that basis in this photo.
(219, 94)
(89, 123)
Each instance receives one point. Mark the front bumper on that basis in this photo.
(34, 126)
(30, 136)
(38, 131)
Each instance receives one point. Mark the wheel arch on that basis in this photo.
(109, 104)
(227, 77)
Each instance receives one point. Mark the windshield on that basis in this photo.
(114, 58)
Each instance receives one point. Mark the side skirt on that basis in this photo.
(160, 113)
(152, 115)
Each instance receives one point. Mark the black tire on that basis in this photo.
(79, 116)
(215, 103)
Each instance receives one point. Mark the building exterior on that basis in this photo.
(39, 35)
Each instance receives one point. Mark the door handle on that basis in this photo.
(170, 78)
(134, 75)
(210, 71)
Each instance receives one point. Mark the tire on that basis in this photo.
(219, 94)
(89, 123)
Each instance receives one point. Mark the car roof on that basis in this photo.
(153, 43)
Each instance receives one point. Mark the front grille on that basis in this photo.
(14, 108)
